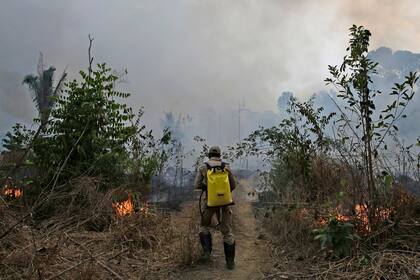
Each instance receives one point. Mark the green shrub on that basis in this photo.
(88, 129)
(336, 236)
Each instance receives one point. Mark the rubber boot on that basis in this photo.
(206, 243)
(229, 255)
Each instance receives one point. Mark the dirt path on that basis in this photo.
(251, 251)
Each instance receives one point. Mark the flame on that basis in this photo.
(361, 214)
(12, 192)
(124, 208)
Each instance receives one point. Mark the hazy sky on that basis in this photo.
(197, 56)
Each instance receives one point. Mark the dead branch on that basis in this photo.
(15, 225)
(109, 269)
(90, 56)
(74, 266)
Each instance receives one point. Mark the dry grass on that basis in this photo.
(290, 225)
(390, 250)
(134, 247)
(71, 245)
(384, 264)
(187, 225)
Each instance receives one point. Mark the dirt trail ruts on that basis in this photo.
(252, 252)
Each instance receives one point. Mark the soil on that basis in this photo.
(252, 250)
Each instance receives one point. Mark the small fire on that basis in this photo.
(12, 192)
(361, 214)
(125, 207)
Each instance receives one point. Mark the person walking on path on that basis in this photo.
(216, 180)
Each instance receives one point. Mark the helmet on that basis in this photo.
(214, 151)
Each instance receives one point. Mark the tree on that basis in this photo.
(42, 89)
(43, 94)
(89, 128)
(18, 139)
(360, 124)
(292, 146)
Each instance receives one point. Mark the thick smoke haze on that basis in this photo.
(197, 58)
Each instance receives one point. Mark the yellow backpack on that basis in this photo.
(218, 186)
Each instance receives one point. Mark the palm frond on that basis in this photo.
(59, 87)
(33, 83)
(42, 90)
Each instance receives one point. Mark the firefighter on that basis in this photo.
(223, 201)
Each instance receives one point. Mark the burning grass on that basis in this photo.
(125, 207)
(134, 247)
(359, 216)
(388, 250)
(12, 192)
(86, 238)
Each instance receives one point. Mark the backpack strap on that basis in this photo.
(208, 165)
(219, 167)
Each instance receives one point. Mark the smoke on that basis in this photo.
(201, 58)
(15, 103)
(393, 66)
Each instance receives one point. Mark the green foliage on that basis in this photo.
(89, 128)
(90, 132)
(203, 152)
(18, 139)
(147, 156)
(302, 133)
(292, 145)
(336, 236)
(388, 180)
(360, 125)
